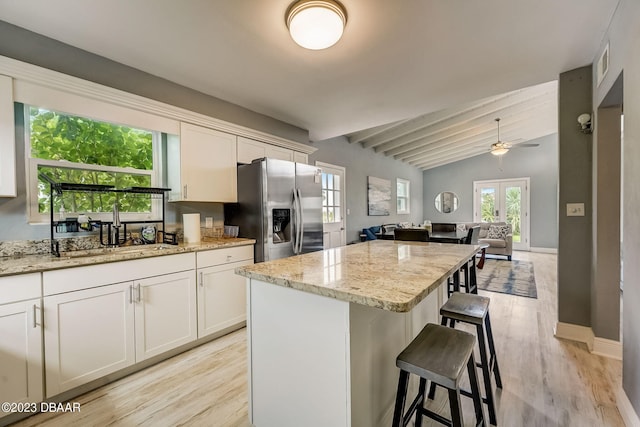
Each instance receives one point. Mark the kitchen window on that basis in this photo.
(75, 149)
(403, 194)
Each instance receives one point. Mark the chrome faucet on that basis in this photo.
(116, 215)
(115, 230)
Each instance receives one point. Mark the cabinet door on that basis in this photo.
(7, 139)
(221, 298)
(20, 352)
(300, 157)
(165, 313)
(279, 153)
(88, 334)
(207, 165)
(249, 150)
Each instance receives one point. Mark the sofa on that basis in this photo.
(499, 237)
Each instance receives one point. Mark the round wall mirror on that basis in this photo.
(447, 202)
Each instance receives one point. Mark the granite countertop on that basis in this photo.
(386, 274)
(36, 263)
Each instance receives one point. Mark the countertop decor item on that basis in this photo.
(191, 224)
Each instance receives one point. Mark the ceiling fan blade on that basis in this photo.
(528, 145)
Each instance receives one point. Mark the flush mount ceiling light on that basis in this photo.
(316, 24)
(499, 148)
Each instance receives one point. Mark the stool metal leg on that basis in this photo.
(475, 391)
(456, 408)
(473, 280)
(492, 351)
(401, 396)
(423, 386)
(486, 374)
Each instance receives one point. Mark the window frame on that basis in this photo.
(32, 164)
(337, 199)
(407, 198)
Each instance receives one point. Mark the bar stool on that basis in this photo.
(474, 310)
(438, 354)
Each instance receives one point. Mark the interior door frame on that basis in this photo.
(525, 226)
(343, 197)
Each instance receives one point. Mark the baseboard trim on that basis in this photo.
(629, 415)
(572, 332)
(544, 250)
(598, 346)
(607, 348)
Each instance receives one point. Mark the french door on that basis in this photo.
(504, 200)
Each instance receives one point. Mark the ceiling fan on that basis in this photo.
(500, 148)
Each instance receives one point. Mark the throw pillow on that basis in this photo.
(497, 231)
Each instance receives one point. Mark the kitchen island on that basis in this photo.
(324, 328)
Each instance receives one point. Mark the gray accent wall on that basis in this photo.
(575, 154)
(623, 36)
(361, 163)
(540, 164)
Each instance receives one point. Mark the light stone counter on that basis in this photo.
(36, 263)
(386, 274)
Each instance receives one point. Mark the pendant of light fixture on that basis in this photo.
(499, 148)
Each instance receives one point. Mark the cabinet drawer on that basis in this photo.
(20, 287)
(77, 278)
(224, 256)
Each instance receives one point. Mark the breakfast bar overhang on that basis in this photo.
(324, 328)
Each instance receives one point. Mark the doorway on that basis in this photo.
(333, 205)
(504, 200)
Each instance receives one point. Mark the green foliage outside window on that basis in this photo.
(78, 142)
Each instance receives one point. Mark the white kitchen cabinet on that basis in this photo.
(88, 334)
(221, 293)
(7, 139)
(94, 327)
(249, 150)
(20, 339)
(165, 313)
(300, 157)
(201, 165)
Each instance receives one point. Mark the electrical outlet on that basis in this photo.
(208, 222)
(575, 209)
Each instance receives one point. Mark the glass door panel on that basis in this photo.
(504, 201)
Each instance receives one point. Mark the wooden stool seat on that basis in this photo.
(440, 355)
(468, 308)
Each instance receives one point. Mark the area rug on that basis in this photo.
(508, 277)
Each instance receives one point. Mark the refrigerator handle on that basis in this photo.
(294, 220)
(300, 222)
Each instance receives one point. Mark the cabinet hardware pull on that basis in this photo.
(130, 294)
(201, 279)
(139, 293)
(185, 191)
(229, 257)
(35, 322)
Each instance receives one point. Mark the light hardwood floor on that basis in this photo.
(547, 381)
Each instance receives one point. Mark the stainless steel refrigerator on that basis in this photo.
(279, 205)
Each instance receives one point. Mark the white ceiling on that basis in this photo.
(397, 59)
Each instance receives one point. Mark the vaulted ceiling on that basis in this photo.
(413, 62)
(456, 133)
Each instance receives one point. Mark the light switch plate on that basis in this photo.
(208, 222)
(575, 209)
